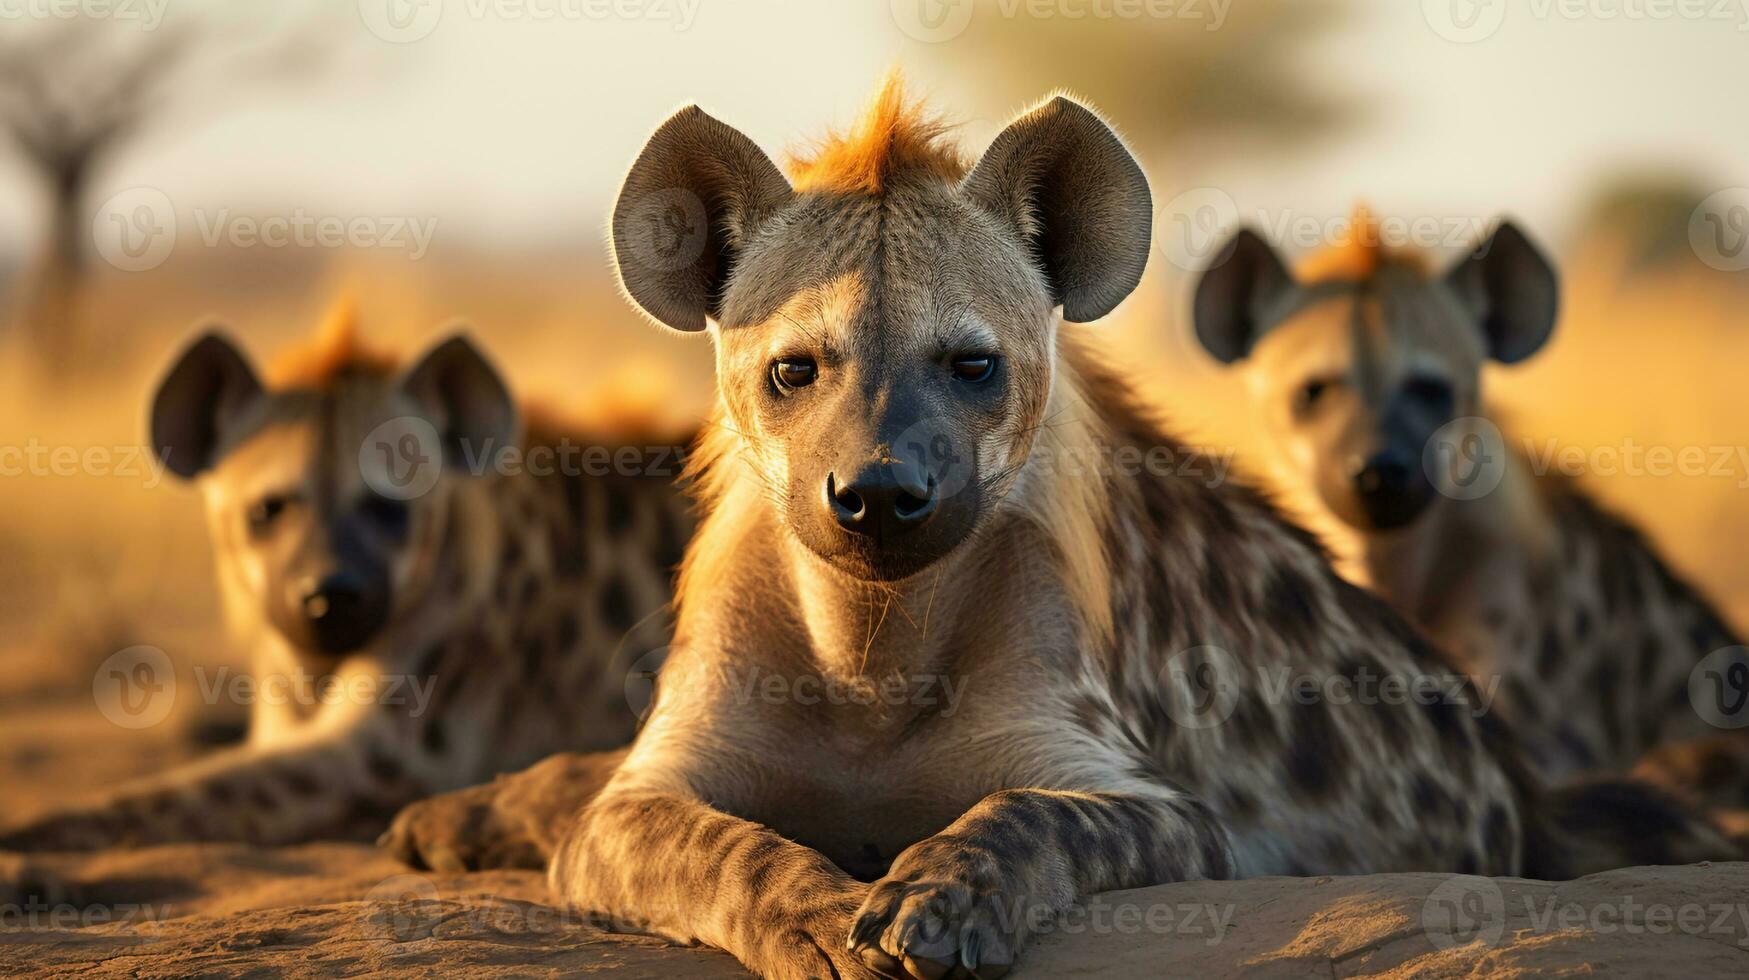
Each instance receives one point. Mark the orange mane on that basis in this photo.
(893, 136)
(1357, 259)
(335, 350)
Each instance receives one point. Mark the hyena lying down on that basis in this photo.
(1360, 369)
(899, 493)
(496, 591)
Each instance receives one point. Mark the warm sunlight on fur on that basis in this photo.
(336, 348)
(1357, 258)
(893, 135)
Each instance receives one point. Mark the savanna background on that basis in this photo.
(137, 138)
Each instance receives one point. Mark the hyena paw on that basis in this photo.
(933, 928)
(461, 831)
(71, 830)
(810, 942)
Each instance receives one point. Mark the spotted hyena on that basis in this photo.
(454, 598)
(1366, 369)
(890, 517)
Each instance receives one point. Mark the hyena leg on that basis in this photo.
(676, 867)
(515, 821)
(968, 896)
(338, 787)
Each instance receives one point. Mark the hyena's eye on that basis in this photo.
(1309, 395)
(790, 373)
(388, 515)
(264, 512)
(974, 368)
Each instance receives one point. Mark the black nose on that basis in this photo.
(883, 500)
(1391, 487)
(342, 612)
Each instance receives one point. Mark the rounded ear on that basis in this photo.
(1061, 178)
(467, 401)
(692, 198)
(1511, 290)
(205, 391)
(1233, 294)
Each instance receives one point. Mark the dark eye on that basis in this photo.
(793, 372)
(1428, 389)
(1310, 394)
(973, 368)
(264, 512)
(387, 513)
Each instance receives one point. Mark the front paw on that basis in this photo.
(460, 831)
(809, 940)
(932, 928)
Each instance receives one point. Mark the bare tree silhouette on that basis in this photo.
(76, 93)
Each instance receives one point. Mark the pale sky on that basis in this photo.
(513, 129)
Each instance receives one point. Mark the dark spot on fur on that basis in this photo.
(616, 605)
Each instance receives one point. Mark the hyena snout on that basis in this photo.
(334, 608)
(885, 498)
(1381, 490)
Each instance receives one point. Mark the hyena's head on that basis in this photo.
(1354, 367)
(884, 327)
(328, 492)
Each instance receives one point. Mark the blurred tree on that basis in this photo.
(75, 93)
(1232, 75)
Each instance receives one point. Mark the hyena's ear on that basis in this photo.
(1069, 186)
(465, 399)
(1235, 294)
(1510, 288)
(694, 196)
(202, 396)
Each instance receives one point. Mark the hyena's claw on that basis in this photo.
(935, 930)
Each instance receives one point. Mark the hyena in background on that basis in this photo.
(889, 514)
(1355, 366)
(453, 633)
